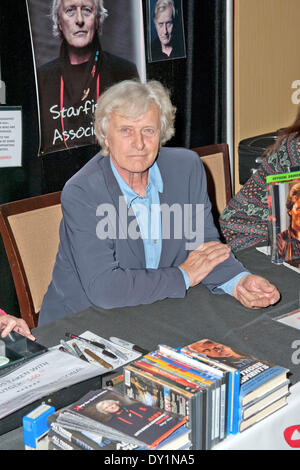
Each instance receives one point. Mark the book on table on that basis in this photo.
(108, 413)
(252, 379)
(62, 438)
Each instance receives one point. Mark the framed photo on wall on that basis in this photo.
(165, 30)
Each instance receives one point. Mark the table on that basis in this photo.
(200, 314)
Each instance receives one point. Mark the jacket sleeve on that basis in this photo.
(229, 268)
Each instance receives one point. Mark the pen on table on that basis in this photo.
(94, 343)
(127, 345)
(98, 359)
(79, 352)
(67, 348)
(61, 348)
(118, 352)
(114, 381)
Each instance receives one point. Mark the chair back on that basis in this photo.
(30, 233)
(215, 158)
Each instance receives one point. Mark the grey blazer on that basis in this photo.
(110, 273)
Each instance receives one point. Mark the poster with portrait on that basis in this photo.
(80, 48)
(165, 30)
(284, 206)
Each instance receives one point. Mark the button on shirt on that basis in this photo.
(147, 212)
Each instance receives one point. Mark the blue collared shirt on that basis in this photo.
(147, 212)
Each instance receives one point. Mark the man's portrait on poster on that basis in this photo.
(70, 83)
(165, 30)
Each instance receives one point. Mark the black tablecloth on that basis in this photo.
(200, 314)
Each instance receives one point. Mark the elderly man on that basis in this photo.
(70, 86)
(118, 247)
(169, 43)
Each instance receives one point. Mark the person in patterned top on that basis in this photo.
(244, 221)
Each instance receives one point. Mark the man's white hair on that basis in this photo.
(100, 404)
(101, 13)
(162, 5)
(131, 99)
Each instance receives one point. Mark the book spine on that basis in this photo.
(173, 368)
(232, 389)
(185, 387)
(211, 382)
(160, 371)
(193, 371)
(69, 437)
(257, 375)
(236, 402)
(212, 415)
(62, 443)
(217, 373)
(192, 361)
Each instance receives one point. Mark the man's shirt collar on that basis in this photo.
(155, 181)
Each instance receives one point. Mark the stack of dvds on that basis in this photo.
(219, 390)
(106, 420)
(174, 382)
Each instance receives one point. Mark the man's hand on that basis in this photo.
(203, 260)
(9, 323)
(255, 292)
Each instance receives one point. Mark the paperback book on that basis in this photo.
(251, 378)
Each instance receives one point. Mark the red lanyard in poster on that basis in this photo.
(62, 97)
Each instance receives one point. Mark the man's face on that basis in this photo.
(77, 22)
(109, 406)
(164, 26)
(133, 142)
(212, 349)
(295, 214)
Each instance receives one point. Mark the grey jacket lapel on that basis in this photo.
(136, 246)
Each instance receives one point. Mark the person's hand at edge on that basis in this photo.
(10, 323)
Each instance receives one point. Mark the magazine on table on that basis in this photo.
(115, 416)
